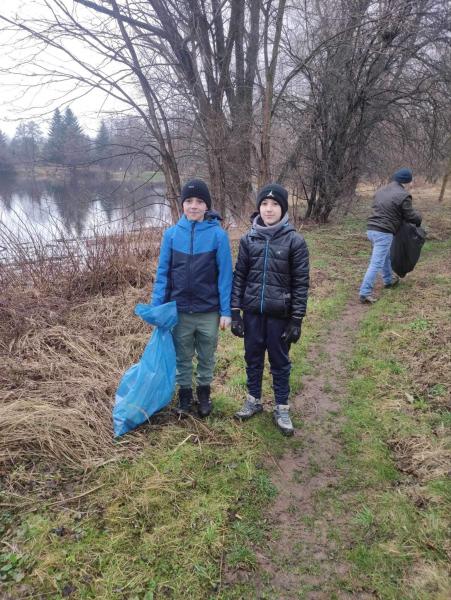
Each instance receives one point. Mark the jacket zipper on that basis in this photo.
(191, 249)
(264, 275)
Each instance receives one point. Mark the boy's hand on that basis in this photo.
(292, 331)
(237, 323)
(224, 322)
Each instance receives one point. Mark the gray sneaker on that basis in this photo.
(282, 419)
(395, 279)
(367, 299)
(251, 407)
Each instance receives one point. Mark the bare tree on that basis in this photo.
(371, 65)
(26, 144)
(102, 56)
(6, 165)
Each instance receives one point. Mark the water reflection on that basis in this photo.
(80, 207)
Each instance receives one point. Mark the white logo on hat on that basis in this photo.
(270, 195)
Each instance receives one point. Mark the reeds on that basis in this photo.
(54, 263)
(67, 334)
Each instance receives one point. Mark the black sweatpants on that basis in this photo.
(263, 333)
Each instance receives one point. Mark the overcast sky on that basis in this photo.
(19, 100)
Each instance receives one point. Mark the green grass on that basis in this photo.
(399, 530)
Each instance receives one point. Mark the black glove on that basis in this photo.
(292, 331)
(237, 323)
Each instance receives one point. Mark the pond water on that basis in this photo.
(79, 208)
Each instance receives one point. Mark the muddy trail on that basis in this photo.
(301, 559)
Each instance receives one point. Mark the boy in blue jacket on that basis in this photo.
(195, 270)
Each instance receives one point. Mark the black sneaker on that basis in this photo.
(185, 401)
(203, 397)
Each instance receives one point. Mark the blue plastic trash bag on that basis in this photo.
(148, 386)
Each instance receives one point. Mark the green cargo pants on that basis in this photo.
(195, 333)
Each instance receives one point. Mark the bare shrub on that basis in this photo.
(61, 264)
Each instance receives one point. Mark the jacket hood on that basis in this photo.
(212, 214)
(271, 231)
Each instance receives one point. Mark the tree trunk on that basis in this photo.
(445, 181)
(172, 181)
(270, 71)
(264, 175)
(215, 128)
(239, 172)
(229, 161)
(311, 200)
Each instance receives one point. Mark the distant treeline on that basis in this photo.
(66, 144)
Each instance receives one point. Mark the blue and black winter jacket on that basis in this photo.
(195, 267)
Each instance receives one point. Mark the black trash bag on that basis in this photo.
(406, 248)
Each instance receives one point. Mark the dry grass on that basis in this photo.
(428, 580)
(57, 387)
(67, 334)
(423, 346)
(425, 458)
(427, 320)
(25, 308)
(437, 217)
(42, 281)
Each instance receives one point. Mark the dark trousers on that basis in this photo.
(263, 333)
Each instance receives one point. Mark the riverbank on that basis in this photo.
(198, 508)
(62, 173)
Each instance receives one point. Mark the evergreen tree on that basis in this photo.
(53, 151)
(102, 144)
(71, 125)
(6, 165)
(75, 147)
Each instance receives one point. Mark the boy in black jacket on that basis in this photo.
(270, 286)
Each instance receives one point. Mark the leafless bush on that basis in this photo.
(72, 267)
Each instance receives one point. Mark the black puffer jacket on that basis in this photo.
(392, 205)
(272, 273)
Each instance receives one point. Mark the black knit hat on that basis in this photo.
(275, 192)
(196, 188)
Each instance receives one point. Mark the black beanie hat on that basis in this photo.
(198, 189)
(275, 192)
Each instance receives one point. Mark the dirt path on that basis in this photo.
(303, 559)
